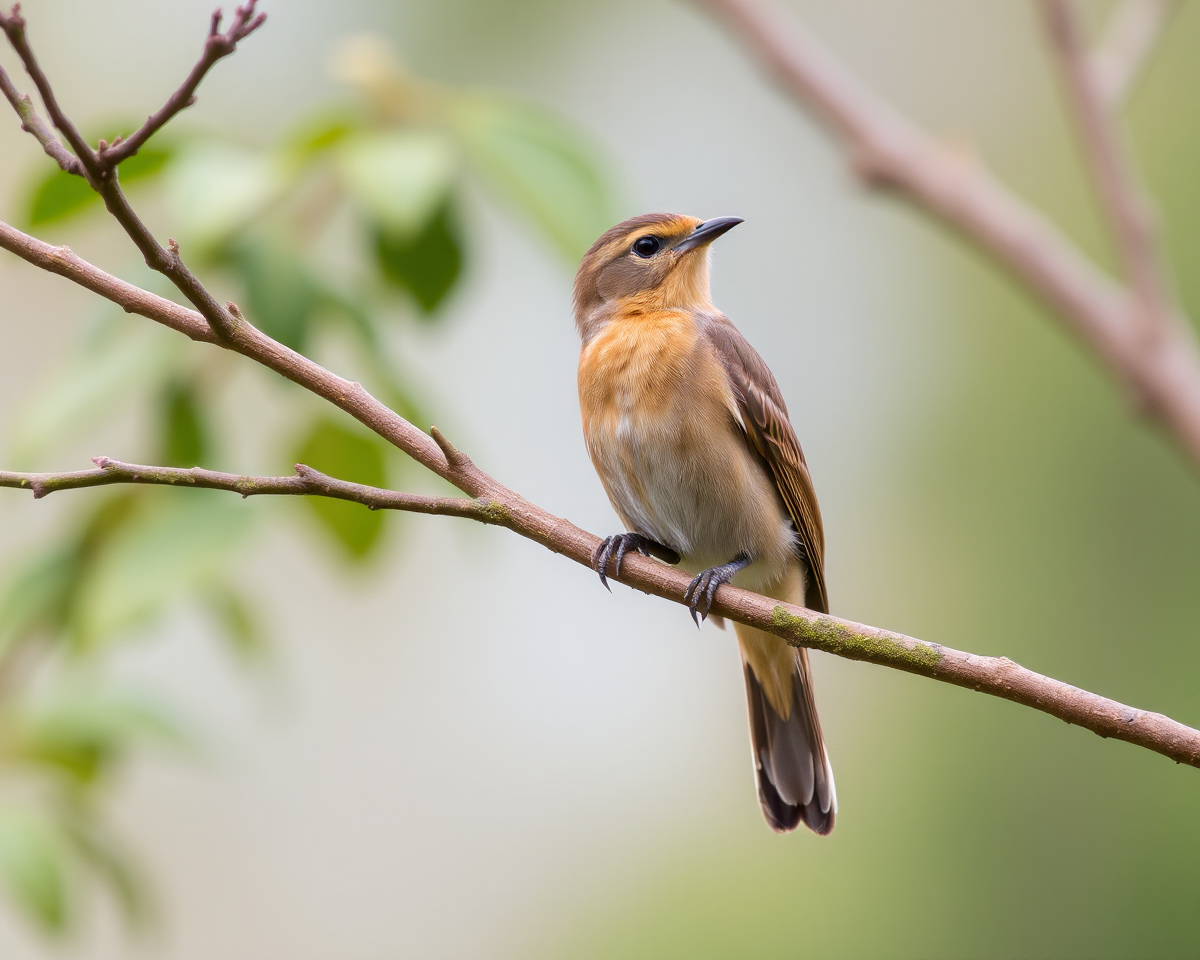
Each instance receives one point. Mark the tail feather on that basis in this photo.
(795, 780)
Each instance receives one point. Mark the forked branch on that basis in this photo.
(491, 502)
(217, 46)
(887, 150)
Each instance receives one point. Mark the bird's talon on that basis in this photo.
(622, 543)
(704, 586)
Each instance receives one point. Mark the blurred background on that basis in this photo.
(269, 730)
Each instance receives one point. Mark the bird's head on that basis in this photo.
(658, 261)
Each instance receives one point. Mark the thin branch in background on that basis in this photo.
(1122, 198)
(217, 46)
(887, 150)
(1132, 33)
(888, 147)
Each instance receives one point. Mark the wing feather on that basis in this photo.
(764, 417)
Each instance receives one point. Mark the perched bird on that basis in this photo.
(689, 433)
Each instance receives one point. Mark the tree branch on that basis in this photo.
(307, 482)
(100, 168)
(31, 123)
(13, 25)
(887, 150)
(1122, 200)
(1132, 33)
(217, 46)
(495, 504)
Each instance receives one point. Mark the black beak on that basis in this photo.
(707, 232)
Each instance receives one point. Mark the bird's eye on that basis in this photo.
(646, 246)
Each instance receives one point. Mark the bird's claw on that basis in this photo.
(704, 585)
(621, 544)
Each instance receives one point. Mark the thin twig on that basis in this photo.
(995, 676)
(31, 123)
(217, 46)
(887, 150)
(1124, 202)
(102, 173)
(1132, 33)
(13, 25)
(306, 482)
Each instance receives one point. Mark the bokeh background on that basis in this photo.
(466, 748)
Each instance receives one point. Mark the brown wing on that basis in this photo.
(765, 419)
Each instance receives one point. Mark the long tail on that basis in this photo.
(795, 780)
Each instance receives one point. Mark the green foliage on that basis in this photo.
(377, 189)
(280, 293)
(427, 264)
(541, 165)
(352, 455)
(398, 179)
(184, 434)
(32, 865)
(59, 195)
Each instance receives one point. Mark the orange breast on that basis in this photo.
(634, 368)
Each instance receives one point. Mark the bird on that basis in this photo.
(690, 435)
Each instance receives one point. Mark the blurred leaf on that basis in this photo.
(58, 195)
(281, 295)
(541, 163)
(238, 621)
(82, 733)
(98, 376)
(37, 597)
(348, 455)
(42, 596)
(319, 133)
(31, 864)
(428, 264)
(389, 385)
(184, 434)
(107, 859)
(215, 188)
(182, 541)
(398, 179)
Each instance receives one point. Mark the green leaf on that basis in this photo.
(178, 542)
(281, 296)
(239, 622)
(32, 866)
(398, 179)
(540, 163)
(215, 188)
(318, 133)
(99, 375)
(37, 597)
(106, 858)
(347, 455)
(428, 264)
(184, 433)
(59, 195)
(82, 732)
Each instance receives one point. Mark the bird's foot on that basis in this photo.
(616, 546)
(699, 594)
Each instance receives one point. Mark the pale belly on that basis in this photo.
(689, 481)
